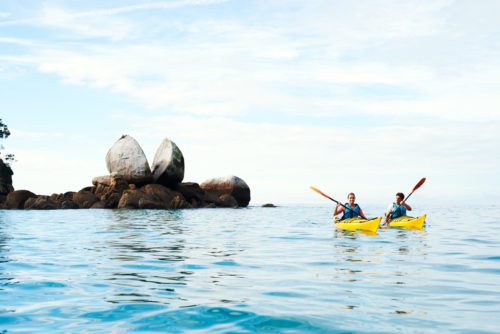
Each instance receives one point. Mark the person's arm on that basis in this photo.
(361, 213)
(338, 209)
(406, 206)
(388, 213)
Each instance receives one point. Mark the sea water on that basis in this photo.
(264, 270)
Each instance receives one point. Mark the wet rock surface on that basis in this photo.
(229, 185)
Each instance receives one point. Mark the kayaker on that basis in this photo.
(353, 209)
(398, 208)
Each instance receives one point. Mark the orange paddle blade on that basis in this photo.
(322, 193)
(318, 191)
(419, 184)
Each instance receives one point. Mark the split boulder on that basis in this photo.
(168, 164)
(127, 159)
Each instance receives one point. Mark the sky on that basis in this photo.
(362, 96)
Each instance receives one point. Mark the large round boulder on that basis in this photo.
(127, 159)
(168, 164)
(17, 198)
(229, 185)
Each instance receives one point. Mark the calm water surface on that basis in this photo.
(283, 270)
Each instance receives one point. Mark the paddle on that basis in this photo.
(418, 185)
(331, 199)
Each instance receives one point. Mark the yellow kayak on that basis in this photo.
(416, 223)
(358, 223)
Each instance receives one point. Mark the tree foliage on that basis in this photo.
(4, 134)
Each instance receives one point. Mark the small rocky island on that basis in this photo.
(133, 184)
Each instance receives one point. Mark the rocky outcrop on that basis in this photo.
(130, 199)
(227, 201)
(41, 203)
(168, 164)
(127, 160)
(268, 205)
(98, 205)
(5, 178)
(17, 198)
(132, 185)
(192, 193)
(109, 189)
(67, 204)
(230, 185)
(84, 199)
(89, 189)
(67, 196)
(65, 200)
(152, 196)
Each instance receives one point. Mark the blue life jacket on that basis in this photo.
(350, 213)
(398, 211)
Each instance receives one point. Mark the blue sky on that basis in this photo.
(365, 96)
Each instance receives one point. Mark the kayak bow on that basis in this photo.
(415, 223)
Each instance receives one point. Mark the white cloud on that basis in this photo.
(45, 171)
(4, 15)
(35, 134)
(58, 14)
(279, 161)
(15, 41)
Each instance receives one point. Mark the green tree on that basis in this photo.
(4, 134)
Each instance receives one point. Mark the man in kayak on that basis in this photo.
(398, 208)
(350, 210)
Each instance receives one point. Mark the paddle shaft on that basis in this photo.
(331, 199)
(406, 199)
(418, 185)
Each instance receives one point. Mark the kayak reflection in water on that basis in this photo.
(398, 208)
(351, 210)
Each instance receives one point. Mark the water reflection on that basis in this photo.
(352, 234)
(152, 257)
(150, 244)
(6, 278)
(4, 250)
(200, 271)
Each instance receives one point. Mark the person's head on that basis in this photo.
(399, 198)
(351, 198)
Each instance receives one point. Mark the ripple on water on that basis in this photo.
(244, 271)
(220, 319)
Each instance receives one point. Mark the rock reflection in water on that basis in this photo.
(151, 245)
(157, 264)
